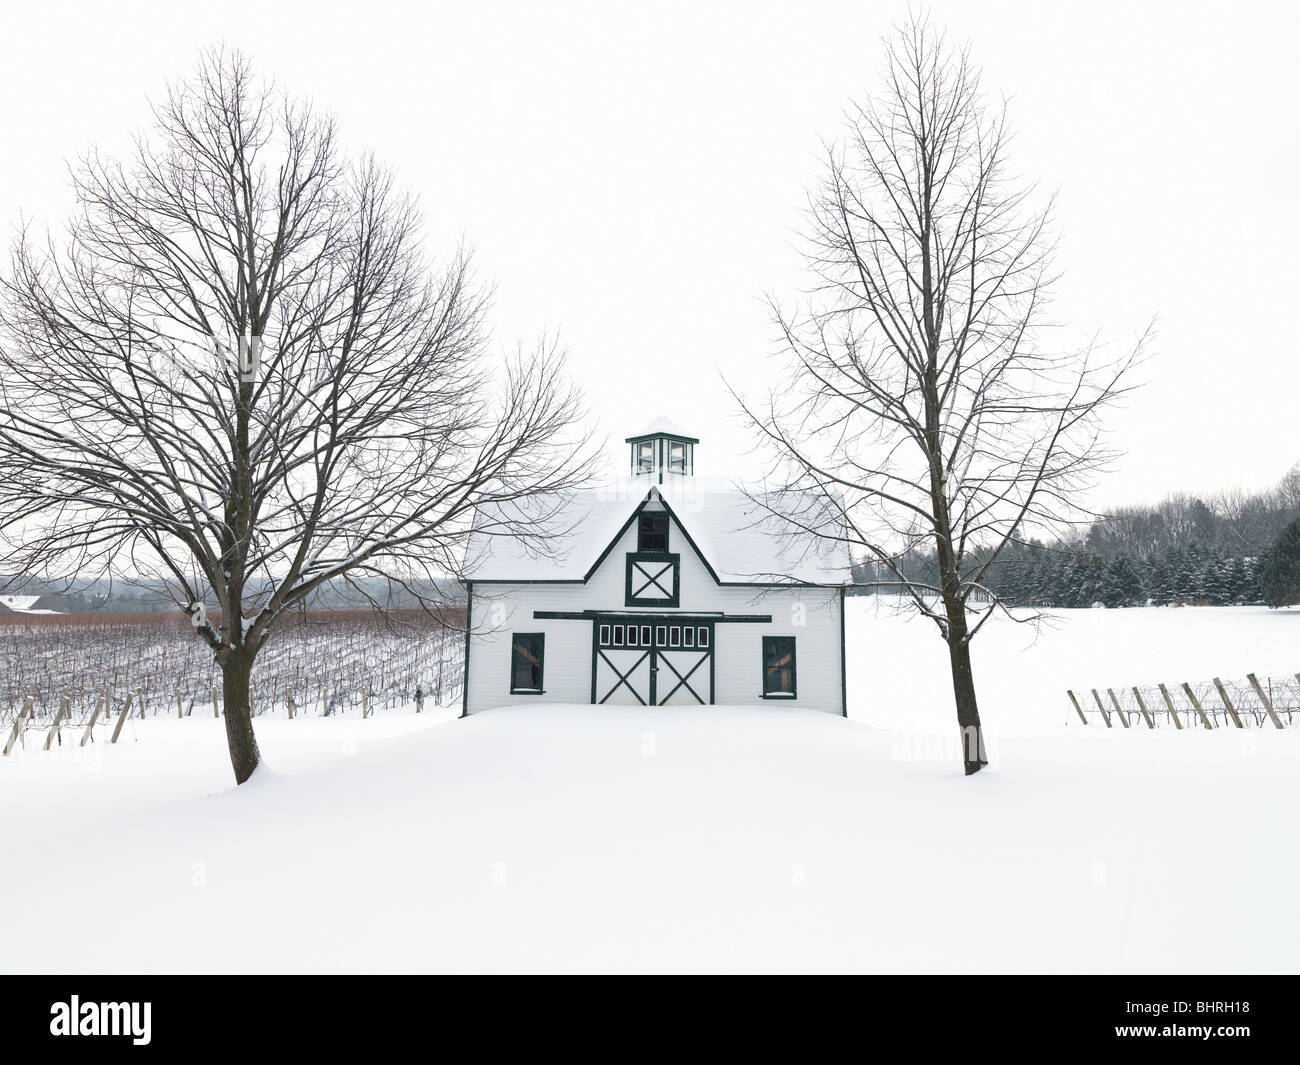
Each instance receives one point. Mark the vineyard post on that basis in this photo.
(1173, 710)
(1078, 709)
(1105, 716)
(1265, 701)
(1197, 704)
(18, 724)
(99, 705)
(1143, 707)
(63, 709)
(1223, 694)
(126, 712)
(1118, 709)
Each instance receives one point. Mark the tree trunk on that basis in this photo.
(236, 674)
(968, 714)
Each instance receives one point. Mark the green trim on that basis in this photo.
(844, 678)
(541, 664)
(641, 558)
(652, 616)
(793, 694)
(721, 584)
(469, 622)
(595, 643)
(661, 436)
(713, 658)
(527, 580)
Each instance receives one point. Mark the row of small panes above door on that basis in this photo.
(628, 635)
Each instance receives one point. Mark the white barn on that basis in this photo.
(661, 590)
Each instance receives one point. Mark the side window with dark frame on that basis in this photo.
(778, 667)
(652, 532)
(527, 656)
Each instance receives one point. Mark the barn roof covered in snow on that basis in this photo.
(739, 540)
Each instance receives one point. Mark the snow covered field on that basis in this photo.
(720, 839)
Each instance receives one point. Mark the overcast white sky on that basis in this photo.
(632, 175)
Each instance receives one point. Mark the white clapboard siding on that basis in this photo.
(811, 615)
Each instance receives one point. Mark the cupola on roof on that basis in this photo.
(661, 449)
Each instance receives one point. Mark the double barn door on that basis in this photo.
(657, 661)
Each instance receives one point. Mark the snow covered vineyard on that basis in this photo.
(1256, 702)
(727, 838)
(333, 661)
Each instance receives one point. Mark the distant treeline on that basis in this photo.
(101, 596)
(1185, 550)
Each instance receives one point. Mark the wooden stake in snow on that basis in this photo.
(23, 714)
(1118, 709)
(126, 712)
(1197, 704)
(54, 728)
(1146, 714)
(1223, 694)
(1078, 709)
(99, 705)
(1265, 701)
(179, 712)
(215, 711)
(1173, 710)
(1102, 707)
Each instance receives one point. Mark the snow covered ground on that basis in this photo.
(899, 678)
(719, 839)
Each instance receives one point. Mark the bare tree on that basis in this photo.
(241, 373)
(926, 402)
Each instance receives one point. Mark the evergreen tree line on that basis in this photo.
(1041, 576)
(1229, 550)
(1176, 576)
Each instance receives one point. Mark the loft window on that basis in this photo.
(645, 456)
(652, 534)
(676, 457)
(778, 667)
(527, 656)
